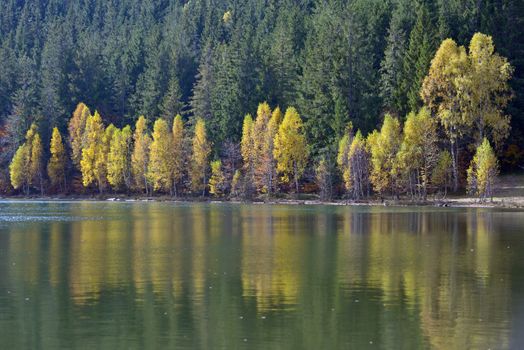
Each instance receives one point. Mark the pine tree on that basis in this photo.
(140, 156)
(161, 163)
(200, 155)
(172, 104)
(291, 149)
(56, 167)
(420, 51)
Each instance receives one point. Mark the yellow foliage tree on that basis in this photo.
(140, 156)
(247, 149)
(76, 127)
(383, 147)
(178, 154)
(291, 150)
(217, 181)
(483, 171)
(418, 152)
(259, 135)
(56, 167)
(161, 162)
(92, 153)
(200, 155)
(119, 159)
(26, 168)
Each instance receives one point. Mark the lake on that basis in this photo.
(135, 275)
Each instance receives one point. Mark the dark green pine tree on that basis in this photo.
(420, 51)
(172, 102)
(200, 102)
(392, 65)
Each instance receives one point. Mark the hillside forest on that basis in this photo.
(260, 98)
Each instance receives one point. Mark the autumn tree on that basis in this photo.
(259, 135)
(201, 151)
(267, 163)
(418, 152)
(26, 168)
(178, 152)
(161, 163)
(217, 181)
(441, 93)
(442, 175)
(92, 165)
(323, 179)
(56, 167)
(384, 145)
(140, 155)
(291, 150)
(486, 92)
(247, 149)
(119, 159)
(483, 171)
(76, 127)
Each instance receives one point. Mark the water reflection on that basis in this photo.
(218, 276)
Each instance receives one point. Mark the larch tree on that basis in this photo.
(26, 168)
(56, 167)
(483, 171)
(76, 127)
(358, 159)
(201, 151)
(92, 152)
(291, 149)
(418, 152)
(259, 134)
(344, 145)
(119, 159)
(383, 146)
(178, 152)
(268, 160)
(217, 181)
(140, 155)
(160, 170)
(247, 150)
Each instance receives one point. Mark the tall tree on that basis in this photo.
(291, 149)
(76, 127)
(200, 155)
(91, 165)
(179, 153)
(140, 155)
(119, 159)
(161, 162)
(57, 165)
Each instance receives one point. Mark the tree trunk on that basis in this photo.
(454, 161)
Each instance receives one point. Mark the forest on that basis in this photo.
(259, 98)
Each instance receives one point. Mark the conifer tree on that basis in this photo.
(268, 162)
(260, 135)
(92, 154)
(36, 168)
(18, 169)
(140, 155)
(383, 146)
(247, 149)
(119, 159)
(161, 163)
(200, 155)
(56, 167)
(291, 149)
(77, 126)
(26, 168)
(178, 155)
(217, 181)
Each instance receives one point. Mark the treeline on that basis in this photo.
(335, 61)
(465, 93)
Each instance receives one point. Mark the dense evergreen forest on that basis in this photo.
(335, 66)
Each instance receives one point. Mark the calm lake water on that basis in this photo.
(102, 275)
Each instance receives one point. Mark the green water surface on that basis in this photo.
(135, 275)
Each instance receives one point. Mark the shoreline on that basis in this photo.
(516, 202)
